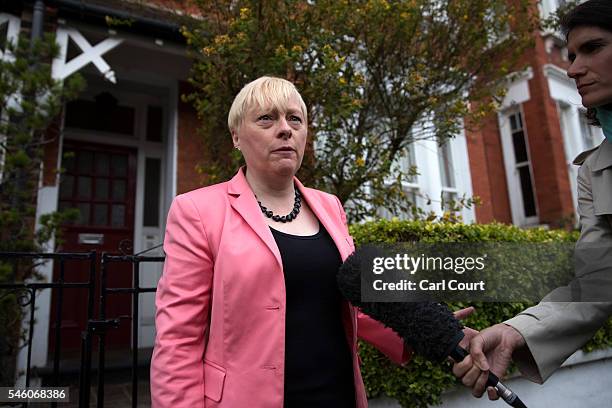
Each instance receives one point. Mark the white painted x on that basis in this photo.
(91, 54)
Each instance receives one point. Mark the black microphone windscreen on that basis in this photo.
(430, 328)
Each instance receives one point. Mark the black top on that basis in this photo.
(318, 363)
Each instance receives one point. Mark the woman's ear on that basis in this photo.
(235, 139)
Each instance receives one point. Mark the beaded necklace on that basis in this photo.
(297, 204)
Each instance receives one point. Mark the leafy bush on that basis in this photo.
(421, 382)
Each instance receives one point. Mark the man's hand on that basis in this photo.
(491, 349)
(468, 332)
(465, 312)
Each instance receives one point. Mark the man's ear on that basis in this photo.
(235, 139)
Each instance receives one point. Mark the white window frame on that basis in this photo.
(12, 32)
(427, 184)
(451, 188)
(12, 35)
(515, 192)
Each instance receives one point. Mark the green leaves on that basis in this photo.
(31, 99)
(370, 73)
(421, 383)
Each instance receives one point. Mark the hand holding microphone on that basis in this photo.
(491, 349)
(430, 328)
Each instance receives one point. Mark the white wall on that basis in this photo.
(584, 381)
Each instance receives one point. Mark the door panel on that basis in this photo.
(100, 181)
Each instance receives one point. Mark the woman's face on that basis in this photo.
(273, 142)
(590, 53)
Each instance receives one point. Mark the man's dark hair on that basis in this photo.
(594, 13)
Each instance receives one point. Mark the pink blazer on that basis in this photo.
(221, 302)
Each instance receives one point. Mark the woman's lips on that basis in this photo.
(284, 150)
(583, 87)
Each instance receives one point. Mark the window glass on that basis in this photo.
(105, 114)
(408, 162)
(101, 189)
(118, 215)
(445, 162)
(448, 198)
(85, 162)
(84, 187)
(152, 191)
(527, 190)
(100, 214)
(119, 190)
(83, 213)
(102, 164)
(66, 186)
(154, 123)
(119, 165)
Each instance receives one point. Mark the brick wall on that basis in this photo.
(551, 178)
(550, 175)
(190, 146)
(488, 173)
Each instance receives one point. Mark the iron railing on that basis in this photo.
(26, 293)
(96, 325)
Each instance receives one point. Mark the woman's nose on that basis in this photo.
(576, 69)
(284, 130)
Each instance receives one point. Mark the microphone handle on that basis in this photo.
(459, 353)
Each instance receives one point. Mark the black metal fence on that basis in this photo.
(96, 326)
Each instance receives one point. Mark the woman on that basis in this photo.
(542, 337)
(248, 314)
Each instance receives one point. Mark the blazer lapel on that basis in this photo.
(243, 201)
(601, 179)
(604, 156)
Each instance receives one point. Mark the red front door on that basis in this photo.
(100, 181)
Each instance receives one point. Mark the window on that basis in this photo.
(517, 163)
(96, 182)
(447, 175)
(155, 123)
(105, 114)
(408, 164)
(152, 192)
(412, 197)
(410, 185)
(521, 156)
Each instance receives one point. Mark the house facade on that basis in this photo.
(119, 153)
(128, 144)
(521, 158)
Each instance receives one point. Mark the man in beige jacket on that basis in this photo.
(540, 338)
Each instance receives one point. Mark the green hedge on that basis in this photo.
(421, 382)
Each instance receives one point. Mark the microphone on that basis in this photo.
(429, 328)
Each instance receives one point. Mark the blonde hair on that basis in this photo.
(263, 92)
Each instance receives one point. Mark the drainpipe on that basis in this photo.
(38, 17)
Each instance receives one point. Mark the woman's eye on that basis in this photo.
(592, 47)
